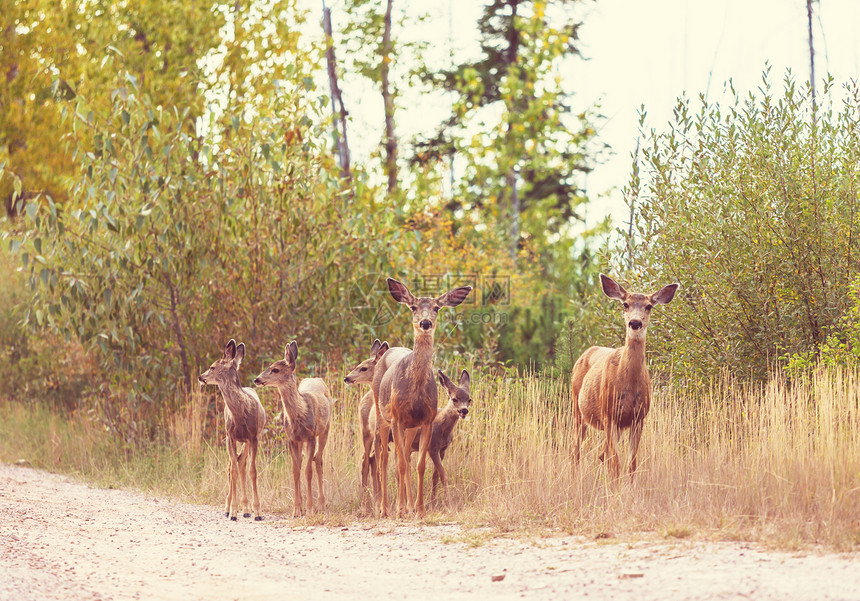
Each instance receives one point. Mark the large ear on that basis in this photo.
(611, 288)
(240, 355)
(664, 295)
(375, 347)
(230, 350)
(383, 348)
(400, 292)
(454, 297)
(446, 382)
(291, 352)
(464, 380)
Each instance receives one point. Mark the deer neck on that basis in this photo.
(422, 357)
(448, 417)
(294, 405)
(632, 362)
(231, 390)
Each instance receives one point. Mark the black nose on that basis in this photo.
(464, 413)
(426, 324)
(346, 379)
(201, 380)
(635, 324)
(257, 381)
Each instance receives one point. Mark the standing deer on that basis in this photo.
(406, 397)
(446, 419)
(611, 387)
(307, 408)
(245, 419)
(363, 374)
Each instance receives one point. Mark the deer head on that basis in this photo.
(458, 394)
(281, 371)
(637, 307)
(425, 309)
(225, 367)
(363, 372)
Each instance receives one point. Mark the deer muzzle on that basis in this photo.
(425, 324)
(635, 324)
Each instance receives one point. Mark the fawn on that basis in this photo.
(245, 419)
(307, 410)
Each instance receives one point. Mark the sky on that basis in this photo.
(636, 53)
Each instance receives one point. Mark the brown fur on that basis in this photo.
(244, 419)
(307, 409)
(406, 397)
(611, 388)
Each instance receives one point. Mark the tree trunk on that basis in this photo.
(338, 109)
(388, 102)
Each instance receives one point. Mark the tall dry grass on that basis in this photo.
(778, 462)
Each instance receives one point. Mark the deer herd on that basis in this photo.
(610, 387)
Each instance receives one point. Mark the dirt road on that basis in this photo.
(63, 540)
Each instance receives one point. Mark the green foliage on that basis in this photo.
(753, 209)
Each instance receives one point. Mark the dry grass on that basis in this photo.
(776, 463)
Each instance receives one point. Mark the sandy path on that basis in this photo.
(63, 540)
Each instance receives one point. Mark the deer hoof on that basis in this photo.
(246, 515)
(259, 518)
(232, 518)
(226, 514)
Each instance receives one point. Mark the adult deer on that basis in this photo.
(307, 407)
(245, 419)
(406, 397)
(611, 387)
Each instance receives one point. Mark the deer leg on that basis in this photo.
(424, 447)
(382, 452)
(408, 441)
(253, 470)
(229, 482)
(296, 454)
(309, 472)
(635, 436)
(318, 462)
(243, 465)
(578, 435)
(234, 478)
(401, 469)
(366, 469)
(439, 474)
(610, 452)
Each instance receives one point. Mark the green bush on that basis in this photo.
(753, 208)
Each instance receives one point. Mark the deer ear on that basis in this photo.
(375, 347)
(291, 352)
(464, 380)
(665, 294)
(383, 348)
(454, 297)
(611, 288)
(400, 292)
(230, 350)
(446, 382)
(240, 355)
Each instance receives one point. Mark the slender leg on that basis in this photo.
(408, 441)
(366, 469)
(426, 434)
(439, 474)
(309, 473)
(578, 435)
(401, 469)
(611, 450)
(243, 465)
(382, 447)
(318, 461)
(229, 482)
(635, 436)
(296, 454)
(254, 447)
(234, 464)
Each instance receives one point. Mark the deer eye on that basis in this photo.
(648, 307)
(363, 369)
(412, 307)
(275, 370)
(435, 309)
(626, 306)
